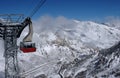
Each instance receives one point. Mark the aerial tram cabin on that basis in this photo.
(26, 46)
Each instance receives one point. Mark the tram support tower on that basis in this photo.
(11, 28)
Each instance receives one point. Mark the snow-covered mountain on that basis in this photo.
(106, 64)
(67, 50)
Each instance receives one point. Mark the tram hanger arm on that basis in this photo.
(25, 23)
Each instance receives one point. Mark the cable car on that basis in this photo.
(27, 47)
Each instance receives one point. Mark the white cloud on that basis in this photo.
(113, 21)
(48, 23)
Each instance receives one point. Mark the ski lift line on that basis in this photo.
(37, 8)
(35, 69)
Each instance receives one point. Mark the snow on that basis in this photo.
(63, 45)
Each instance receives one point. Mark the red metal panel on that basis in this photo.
(28, 50)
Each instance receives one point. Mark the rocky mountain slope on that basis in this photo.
(71, 51)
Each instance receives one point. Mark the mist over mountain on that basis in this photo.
(113, 22)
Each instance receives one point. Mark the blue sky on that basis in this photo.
(73, 9)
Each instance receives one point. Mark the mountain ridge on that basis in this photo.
(68, 43)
